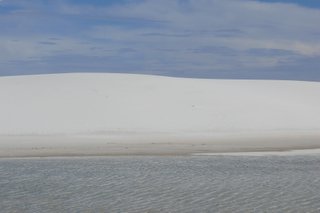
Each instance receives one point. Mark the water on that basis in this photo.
(161, 184)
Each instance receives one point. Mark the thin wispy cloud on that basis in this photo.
(202, 38)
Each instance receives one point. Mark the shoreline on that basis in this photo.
(156, 144)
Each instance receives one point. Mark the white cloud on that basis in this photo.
(35, 48)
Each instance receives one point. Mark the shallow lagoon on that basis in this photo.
(161, 184)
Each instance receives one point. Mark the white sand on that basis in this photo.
(105, 114)
(314, 152)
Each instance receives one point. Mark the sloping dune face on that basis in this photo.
(120, 103)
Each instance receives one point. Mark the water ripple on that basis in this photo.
(167, 184)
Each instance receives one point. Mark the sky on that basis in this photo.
(249, 39)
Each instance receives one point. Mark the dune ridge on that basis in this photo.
(69, 114)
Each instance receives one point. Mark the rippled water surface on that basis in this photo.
(161, 184)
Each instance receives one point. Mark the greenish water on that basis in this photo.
(161, 184)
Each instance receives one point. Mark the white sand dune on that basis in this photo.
(79, 114)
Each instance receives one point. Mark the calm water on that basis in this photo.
(161, 184)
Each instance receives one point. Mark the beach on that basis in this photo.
(155, 144)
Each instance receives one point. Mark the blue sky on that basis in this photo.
(265, 39)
